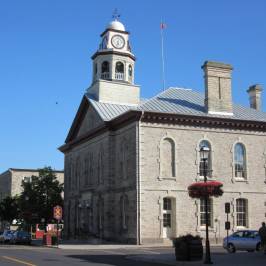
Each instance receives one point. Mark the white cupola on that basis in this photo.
(114, 63)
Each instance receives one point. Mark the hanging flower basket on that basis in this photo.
(203, 189)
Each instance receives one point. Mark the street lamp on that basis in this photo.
(204, 155)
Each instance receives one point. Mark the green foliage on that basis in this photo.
(39, 196)
(9, 209)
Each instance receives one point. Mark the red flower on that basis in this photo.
(202, 189)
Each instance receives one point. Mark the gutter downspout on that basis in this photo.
(138, 153)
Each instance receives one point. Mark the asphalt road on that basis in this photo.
(15, 255)
(11, 255)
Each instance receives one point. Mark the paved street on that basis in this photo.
(24, 255)
(140, 256)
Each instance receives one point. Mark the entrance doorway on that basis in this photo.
(168, 218)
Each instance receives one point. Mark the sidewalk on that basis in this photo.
(220, 259)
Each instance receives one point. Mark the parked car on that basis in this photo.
(22, 237)
(248, 240)
(6, 236)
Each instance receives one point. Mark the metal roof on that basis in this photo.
(175, 101)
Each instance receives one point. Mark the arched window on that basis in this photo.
(130, 71)
(205, 143)
(119, 70)
(95, 69)
(240, 160)
(124, 159)
(105, 70)
(241, 212)
(167, 158)
(100, 166)
(100, 213)
(124, 206)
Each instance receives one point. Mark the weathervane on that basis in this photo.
(116, 15)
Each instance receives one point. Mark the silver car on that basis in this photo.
(248, 240)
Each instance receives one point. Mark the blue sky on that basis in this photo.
(45, 49)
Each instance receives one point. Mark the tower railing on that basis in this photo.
(105, 75)
(119, 76)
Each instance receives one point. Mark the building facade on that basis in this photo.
(129, 162)
(11, 180)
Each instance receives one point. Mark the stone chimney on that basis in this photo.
(218, 96)
(254, 92)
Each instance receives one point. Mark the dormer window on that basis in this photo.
(119, 71)
(105, 70)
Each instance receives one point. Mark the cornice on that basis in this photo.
(118, 31)
(113, 52)
(216, 122)
(165, 118)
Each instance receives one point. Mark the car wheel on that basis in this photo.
(231, 248)
(258, 247)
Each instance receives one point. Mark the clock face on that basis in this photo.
(118, 41)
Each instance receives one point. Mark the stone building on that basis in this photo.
(128, 161)
(10, 180)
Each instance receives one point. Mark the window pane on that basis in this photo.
(202, 212)
(167, 220)
(241, 211)
(240, 160)
(205, 143)
(167, 204)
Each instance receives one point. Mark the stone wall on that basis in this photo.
(100, 180)
(186, 140)
(5, 184)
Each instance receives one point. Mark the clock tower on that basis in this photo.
(113, 68)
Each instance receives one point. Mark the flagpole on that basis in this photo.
(162, 50)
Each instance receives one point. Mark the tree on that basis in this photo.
(9, 209)
(40, 195)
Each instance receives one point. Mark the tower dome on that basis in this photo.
(116, 25)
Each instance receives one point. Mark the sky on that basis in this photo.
(45, 64)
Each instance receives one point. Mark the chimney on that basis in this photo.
(218, 97)
(254, 92)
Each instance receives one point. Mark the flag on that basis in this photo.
(162, 25)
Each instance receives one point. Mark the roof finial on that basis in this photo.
(116, 15)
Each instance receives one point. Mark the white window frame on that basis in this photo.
(240, 178)
(202, 213)
(245, 212)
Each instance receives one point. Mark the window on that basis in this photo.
(86, 172)
(202, 212)
(27, 179)
(105, 70)
(119, 71)
(100, 166)
(167, 211)
(167, 220)
(167, 158)
(240, 160)
(124, 210)
(167, 204)
(241, 212)
(100, 213)
(205, 143)
(124, 159)
(130, 72)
